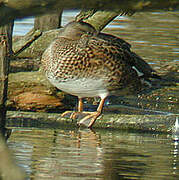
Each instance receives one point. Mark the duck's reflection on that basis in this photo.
(89, 137)
(86, 154)
(74, 153)
(80, 153)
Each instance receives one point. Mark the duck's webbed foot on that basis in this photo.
(67, 114)
(89, 119)
(74, 115)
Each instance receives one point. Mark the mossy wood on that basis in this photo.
(148, 123)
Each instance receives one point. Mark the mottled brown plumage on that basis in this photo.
(85, 63)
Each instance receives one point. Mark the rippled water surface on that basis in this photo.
(64, 153)
(155, 36)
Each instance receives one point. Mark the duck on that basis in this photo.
(86, 63)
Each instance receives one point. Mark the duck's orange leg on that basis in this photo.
(74, 115)
(90, 119)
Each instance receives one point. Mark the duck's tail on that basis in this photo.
(143, 69)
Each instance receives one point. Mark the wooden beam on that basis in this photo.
(12, 9)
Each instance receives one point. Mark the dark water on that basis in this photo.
(66, 153)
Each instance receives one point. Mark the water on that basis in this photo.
(66, 153)
(23, 26)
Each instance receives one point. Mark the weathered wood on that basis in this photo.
(98, 18)
(26, 41)
(22, 48)
(5, 52)
(48, 21)
(12, 9)
(153, 123)
(3, 83)
(42, 23)
(101, 18)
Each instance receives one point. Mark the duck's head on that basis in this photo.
(74, 30)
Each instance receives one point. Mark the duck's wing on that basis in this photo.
(141, 66)
(107, 61)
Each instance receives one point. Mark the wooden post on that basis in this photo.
(48, 21)
(3, 83)
(5, 53)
